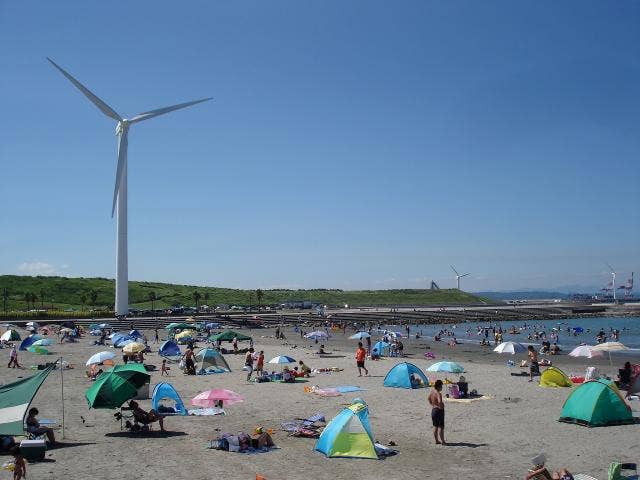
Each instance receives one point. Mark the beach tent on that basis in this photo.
(27, 342)
(179, 325)
(186, 335)
(210, 360)
(15, 399)
(348, 434)
(596, 404)
(228, 336)
(117, 385)
(554, 377)
(165, 391)
(400, 376)
(382, 348)
(170, 349)
(135, 334)
(10, 336)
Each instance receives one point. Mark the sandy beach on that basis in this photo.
(492, 438)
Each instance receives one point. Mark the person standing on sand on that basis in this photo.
(361, 354)
(13, 358)
(437, 412)
(260, 364)
(369, 345)
(156, 337)
(533, 359)
(248, 362)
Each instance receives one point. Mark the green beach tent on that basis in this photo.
(554, 377)
(227, 336)
(116, 386)
(180, 325)
(15, 399)
(596, 404)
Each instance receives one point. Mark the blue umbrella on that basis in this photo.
(450, 367)
(281, 359)
(578, 329)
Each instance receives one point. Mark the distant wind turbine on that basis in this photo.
(613, 281)
(120, 189)
(458, 276)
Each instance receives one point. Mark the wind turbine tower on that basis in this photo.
(120, 190)
(613, 282)
(458, 276)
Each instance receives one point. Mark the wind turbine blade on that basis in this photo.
(161, 111)
(104, 108)
(610, 267)
(456, 272)
(122, 161)
(464, 275)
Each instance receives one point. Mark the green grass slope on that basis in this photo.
(63, 292)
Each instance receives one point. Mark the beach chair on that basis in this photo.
(454, 390)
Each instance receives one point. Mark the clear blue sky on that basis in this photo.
(360, 144)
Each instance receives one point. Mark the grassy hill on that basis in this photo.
(64, 293)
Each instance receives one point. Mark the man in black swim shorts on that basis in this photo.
(437, 412)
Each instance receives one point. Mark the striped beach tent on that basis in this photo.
(15, 399)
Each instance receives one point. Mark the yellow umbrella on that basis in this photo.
(186, 334)
(134, 347)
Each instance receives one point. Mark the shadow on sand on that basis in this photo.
(466, 444)
(151, 434)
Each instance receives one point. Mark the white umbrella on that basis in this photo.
(318, 334)
(610, 347)
(510, 347)
(32, 324)
(585, 351)
(282, 359)
(359, 336)
(100, 357)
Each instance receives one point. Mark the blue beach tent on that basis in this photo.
(165, 391)
(400, 376)
(381, 348)
(27, 342)
(348, 434)
(169, 349)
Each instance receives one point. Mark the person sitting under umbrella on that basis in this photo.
(144, 417)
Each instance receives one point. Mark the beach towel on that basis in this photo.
(469, 400)
(206, 412)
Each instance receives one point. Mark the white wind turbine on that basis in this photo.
(458, 276)
(120, 190)
(613, 281)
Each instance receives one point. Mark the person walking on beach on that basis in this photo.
(437, 412)
(248, 363)
(260, 363)
(533, 360)
(13, 358)
(156, 337)
(369, 345)
(361, 354)
(189, 364)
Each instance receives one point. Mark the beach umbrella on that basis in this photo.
(135, 334)
(210, 397)
(133, 347)
(8, 325)
(10, 336)
(124, 342)
(282, 359)
(585, 351)
(32, 324)
(65, 330)
(43, 342)
(186, 334)
(360, 336)
(450, 367)
(317, 335)
(577, 329)
(100, 357)
(510, 347)
(609, 347)
(180, 325)
(38, 350)
(104, 326)
(117, 385)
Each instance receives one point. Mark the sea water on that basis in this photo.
(629, 328)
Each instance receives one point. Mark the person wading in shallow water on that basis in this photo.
(437, 412)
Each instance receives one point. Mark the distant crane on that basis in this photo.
(628, 287)
(458, 276)
(611, 286)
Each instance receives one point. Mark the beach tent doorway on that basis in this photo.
(554, 377)
(166, 391)
(348, 434)
(15, 399)
(400, 377)
(596, 404)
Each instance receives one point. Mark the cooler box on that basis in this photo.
(33, 450)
